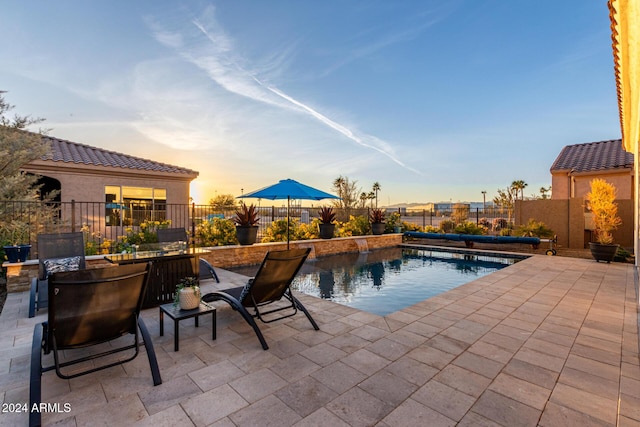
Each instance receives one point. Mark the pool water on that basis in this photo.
(387, 280)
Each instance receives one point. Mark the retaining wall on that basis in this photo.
(19, 274)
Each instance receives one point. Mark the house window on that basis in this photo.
(134, 205)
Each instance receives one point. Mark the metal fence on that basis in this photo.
(491, 217)
(21, 222)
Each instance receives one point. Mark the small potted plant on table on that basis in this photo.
(246, 220)
(601, 202)
(187, 293)
(377, 217)
(327, 227)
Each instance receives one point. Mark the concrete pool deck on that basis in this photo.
(549, 341)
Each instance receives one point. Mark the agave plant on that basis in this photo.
(327, 215)
(376, 216)
(246, 216)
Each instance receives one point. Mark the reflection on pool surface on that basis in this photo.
(387, 280)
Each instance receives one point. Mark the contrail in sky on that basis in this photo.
(336, 126)
(218, 60)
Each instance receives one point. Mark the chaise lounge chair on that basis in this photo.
(56, 252)
(89, 308)
(180, 235)
(271, 283)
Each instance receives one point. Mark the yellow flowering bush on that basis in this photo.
(601, 202)
(277, 231)
(356, 226)
(217, 232)
(147, 233)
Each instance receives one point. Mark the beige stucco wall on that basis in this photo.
(563, 184)
(554, 213)
(567, 219)
(560, 186)
(87, 182)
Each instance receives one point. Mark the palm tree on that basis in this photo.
(376, 188)
(363, 199)
(519, 185)
(544, 192)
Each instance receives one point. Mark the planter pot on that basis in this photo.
(397, 229)
(23, 252)
(188, 298)
(327, 230)
(377, 228)
(12, 253)
(601, 252)
(247, 235)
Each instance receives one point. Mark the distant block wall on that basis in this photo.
(566, 218)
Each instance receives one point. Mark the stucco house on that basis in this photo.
(110, 188)
(571, 174)
(577, 165)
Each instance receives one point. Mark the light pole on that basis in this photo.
(484, 201)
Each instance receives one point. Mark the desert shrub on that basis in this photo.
(470, 227)
(499, 224)
(356, 226)
(408, 226)
(534, 229)
(147, 233)
(277, 231)
(431, 229)
(485, 223)
(217, 232)
(505, 231)
(393, 221)
(447, 226)
(460, 213)
(622, 254)
(94, 244)
(308, 231)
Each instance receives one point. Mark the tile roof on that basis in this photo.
(72, 152)
(593, 156)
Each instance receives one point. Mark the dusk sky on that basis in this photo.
(434, 100)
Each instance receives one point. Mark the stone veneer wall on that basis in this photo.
(19, 274)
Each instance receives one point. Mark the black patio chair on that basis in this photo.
(88, 308)
(180, 235)
(56, 252)
(271, 283)
(172, 235)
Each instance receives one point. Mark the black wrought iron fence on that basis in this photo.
(491, 217)
(104, 224)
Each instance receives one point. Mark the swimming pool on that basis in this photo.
(387, 280)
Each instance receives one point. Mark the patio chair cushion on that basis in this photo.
(57, 265)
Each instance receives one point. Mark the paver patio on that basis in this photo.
(549, 341)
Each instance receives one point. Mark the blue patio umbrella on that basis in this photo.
(289, 189)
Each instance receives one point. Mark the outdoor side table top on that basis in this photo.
(177, 315)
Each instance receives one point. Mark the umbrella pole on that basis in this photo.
(288, 202)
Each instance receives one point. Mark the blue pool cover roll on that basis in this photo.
(474, 238)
